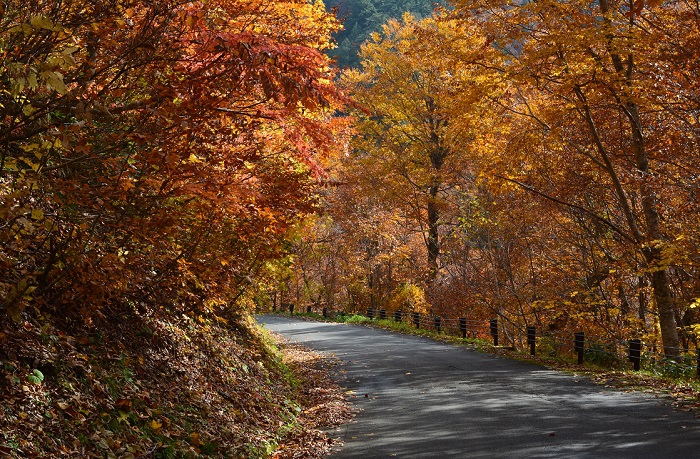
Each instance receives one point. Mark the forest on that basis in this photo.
(156, 157)
(361, 18)
(169, 168)
(533, 174)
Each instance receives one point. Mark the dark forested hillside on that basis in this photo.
(362, 17)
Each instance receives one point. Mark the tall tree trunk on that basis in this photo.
(433, 241)
(652, 236)
(437, 155)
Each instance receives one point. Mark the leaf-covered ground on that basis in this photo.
(144, 387)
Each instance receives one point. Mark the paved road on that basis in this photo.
(423, 399)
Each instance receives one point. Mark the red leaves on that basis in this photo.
(173, 131)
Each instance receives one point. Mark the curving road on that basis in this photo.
(422, 399)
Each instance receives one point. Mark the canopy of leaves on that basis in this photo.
(155, 153)
(156, 157)
(570, 201)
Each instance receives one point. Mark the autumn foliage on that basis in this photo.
(534, 162)
(156, 156)
(155, 153)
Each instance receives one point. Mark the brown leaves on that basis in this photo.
(206, 394)
(323, 404)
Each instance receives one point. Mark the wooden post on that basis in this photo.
(532, 338)
(463, 327)
(635, 353)
(579, 346)
(493, 325)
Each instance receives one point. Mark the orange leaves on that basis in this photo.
(141, 139)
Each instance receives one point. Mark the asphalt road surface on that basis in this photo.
(421, 399)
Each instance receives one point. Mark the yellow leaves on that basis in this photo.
(10, 164)
(42, 22)
(54, 80)
(26, 29)
(37, 214)
(664, 253)
(17, 298)
(50, 79)
(36, 23)
(155, 424)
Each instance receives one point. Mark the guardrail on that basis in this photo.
(601, 351)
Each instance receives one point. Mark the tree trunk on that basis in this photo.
(433, 241)
(654, 236)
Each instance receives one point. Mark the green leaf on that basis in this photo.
(36, 377)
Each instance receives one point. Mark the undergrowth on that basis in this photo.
(143, 386)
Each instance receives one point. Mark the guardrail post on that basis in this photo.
(382, 314)
(579, 346)
(370, 313)
(493, 325)
(398, 316)
(308, 309)
(463, 327)
(291, 308)
(437, 321)
(416, 319)
(635, 353)
(325, 312)
(532, 338)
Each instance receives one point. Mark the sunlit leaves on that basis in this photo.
(157, 152)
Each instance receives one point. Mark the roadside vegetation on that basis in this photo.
(188, 387)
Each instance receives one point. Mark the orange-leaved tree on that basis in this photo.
(421, 83)
(596, 93)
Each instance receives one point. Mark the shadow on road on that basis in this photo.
(420, 398)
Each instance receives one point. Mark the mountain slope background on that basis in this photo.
(362, 17)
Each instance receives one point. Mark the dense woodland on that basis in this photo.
(361, 18)
(169, 167)
(536, 163)
(156, 156)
